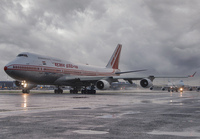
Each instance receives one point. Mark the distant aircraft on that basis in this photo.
(31, 69)
(176, 85)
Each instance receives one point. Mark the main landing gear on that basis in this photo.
(89, 91)
(58, 91)
(172, 90)
(73, 91)
(85, 90)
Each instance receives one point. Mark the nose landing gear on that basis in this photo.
(25, 91)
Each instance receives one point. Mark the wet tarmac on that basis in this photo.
(118, 115)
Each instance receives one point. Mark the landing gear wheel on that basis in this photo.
(84, 91)
(24, 91)
(88, 91)
(74, 91)
(58, 91)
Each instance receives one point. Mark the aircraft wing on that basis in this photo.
(96, 78)
(146, 81)
(186, 76)
(65, 79)
(87, 80)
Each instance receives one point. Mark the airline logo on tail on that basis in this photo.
(114, 60)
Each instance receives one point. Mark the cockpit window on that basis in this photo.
(22, 55)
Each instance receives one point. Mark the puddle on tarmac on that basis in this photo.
(118, 115)
(131, 112)
(80, 97)
(4, 110)
(107, 116)
(90, 132)
(146, 101)
(183, 134)
(175, 103)
(82, 108)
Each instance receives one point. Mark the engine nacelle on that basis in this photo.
(17, 83)
(103, 85)
(163, 88)
(146, 83)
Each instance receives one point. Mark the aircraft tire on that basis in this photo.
(73, 91)
(24, 91)
(58, 91)
(83, 91)
(91, 92)
(55, 91)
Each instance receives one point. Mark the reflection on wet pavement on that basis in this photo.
(182, 134)
(88, 132)
(104, 115)
(24, 104)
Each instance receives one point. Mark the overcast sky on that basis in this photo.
(160, 35)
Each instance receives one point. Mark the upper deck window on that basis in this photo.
(22, 55)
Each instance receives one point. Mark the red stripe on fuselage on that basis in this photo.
(58, 70)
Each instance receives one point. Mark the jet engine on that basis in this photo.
(17, 83)
(146, 83)
(103, 85)
(163, 88)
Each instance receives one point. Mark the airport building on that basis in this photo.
(7, 85)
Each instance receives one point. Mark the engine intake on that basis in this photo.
(103, 85)
(17, 83)
(146, 83)
(163, 88)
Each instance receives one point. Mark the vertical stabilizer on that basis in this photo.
(114, 60)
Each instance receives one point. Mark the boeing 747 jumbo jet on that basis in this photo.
(30, 70)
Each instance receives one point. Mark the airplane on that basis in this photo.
(30, 70)
(175, 86)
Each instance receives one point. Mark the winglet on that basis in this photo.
(192, 75)
(114, 60)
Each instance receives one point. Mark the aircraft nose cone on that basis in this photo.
(5, 68)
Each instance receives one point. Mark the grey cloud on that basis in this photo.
(162, 36)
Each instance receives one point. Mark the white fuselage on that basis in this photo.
(177, 84)
(39, 69)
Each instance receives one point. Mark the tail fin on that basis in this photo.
(192, 75)
(114, 60)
